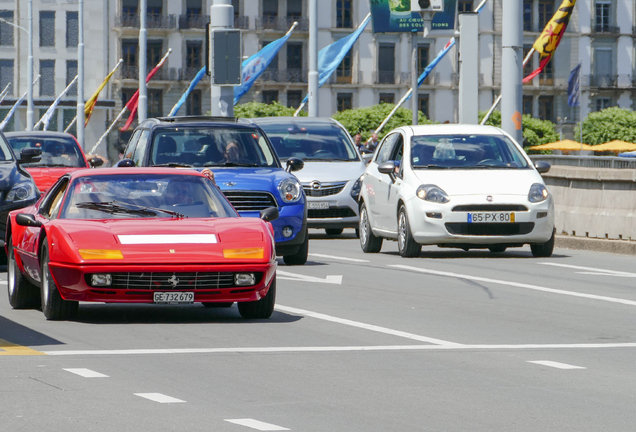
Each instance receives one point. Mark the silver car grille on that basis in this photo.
(317, 189)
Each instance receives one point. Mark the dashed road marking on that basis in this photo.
(335, 280)
(555, 364)
(86, 373)
(338, 258)
(158, 397)
(592, 270)
(8, 348)
(255, 424)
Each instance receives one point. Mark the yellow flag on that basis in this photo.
(90, 104)
(549, 39)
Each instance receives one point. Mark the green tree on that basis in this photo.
(258, 109)
(608, 125)
(535, 131)
(366, 120)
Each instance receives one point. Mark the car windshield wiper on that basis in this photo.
(50, 165)
(110, 207)
(174, 165)
(154, 209)
(239, 164)
(433, 166)
(494, 167)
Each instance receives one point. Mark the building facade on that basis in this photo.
(600, 36)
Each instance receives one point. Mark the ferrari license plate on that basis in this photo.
(491, 217)
(317, 205)
(176, 297)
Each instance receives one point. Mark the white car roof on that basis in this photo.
(462, 129)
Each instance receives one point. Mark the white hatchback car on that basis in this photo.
(463, 186)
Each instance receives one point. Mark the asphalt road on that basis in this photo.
(448, 341)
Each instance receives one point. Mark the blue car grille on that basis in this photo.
(250, 201)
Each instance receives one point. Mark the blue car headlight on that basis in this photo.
(21, 192)
(290, 190)
(538, 193)
(432, 193)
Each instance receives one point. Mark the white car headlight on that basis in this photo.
(21, 192)
(290, 190)
(538, 193)
(432, 193)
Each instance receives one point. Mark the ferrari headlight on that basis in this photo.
(355, 190)
(290, 190)
(20, 192)
(538, 193)
(432, 193)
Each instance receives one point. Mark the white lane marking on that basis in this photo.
(158, 397)
(518, 285)
(592, 270)
(338, 258)
(266, 350)
(555, 364)
(334, 280)
(255, 424)
(86, 373)
(364, 326)
(168, 239)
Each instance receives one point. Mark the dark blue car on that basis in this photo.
(245, 166)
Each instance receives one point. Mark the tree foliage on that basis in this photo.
(535, 131)
(608, 125)
(258, 109)
(367, 119)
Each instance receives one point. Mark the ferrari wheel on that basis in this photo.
(53, 305)
(368, 241)
(407, 246)
(300, 257)
(262, 308)
(217, 304)
(22, 294)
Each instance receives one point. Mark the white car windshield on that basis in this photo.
(465, 152)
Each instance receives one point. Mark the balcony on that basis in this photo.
(346, 77)
(390, 77)
(163, 74)
(284, 76)
(344, 23)
(281, 23)
(599, 29)
(546, 79)
(188, 74)
(602, 81)
(153, 21)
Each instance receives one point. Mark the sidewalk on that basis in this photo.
(599, 245)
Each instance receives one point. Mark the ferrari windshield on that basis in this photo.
(211, 147)
(465, 152)
(144, 196)
(310, 142)
(56, 151)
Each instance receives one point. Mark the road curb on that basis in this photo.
(623, 247)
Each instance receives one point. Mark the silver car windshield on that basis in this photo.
(465, 152)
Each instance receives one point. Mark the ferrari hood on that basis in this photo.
(45, 177)
(330, 172)
(481, 182)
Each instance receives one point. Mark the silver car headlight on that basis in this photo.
(21, 192)
(355, 190)
(432, 193)
(290, 190)
(538, 193)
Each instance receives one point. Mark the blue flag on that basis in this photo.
(574, 87)
(432, 64)
(185, 95)
(330, 57)
(254, 66)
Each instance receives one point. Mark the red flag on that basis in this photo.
(133, 103)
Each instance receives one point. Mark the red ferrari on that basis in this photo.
(139, 235)
(61, 154)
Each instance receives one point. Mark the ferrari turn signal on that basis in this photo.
(101, 254)
(253, 253)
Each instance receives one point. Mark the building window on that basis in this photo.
(6, 76)
(546, 108)
(270, 9)
(603, 68)
(71, 73)
(154, 53)
(193, 103)
(6, 30)
(343, 14)
(602, 103)
(602, 11)
(345, 101)
(236, 4)
(47, 78)
(154, 7)
(294, 98)
(126, 94)
(294, 9)
(527, 69)
(129, 54)
(386, 64)
(193, 60)
(129, 7)
(295, 62)
(546, 11)
(47, 28)
(155, 103)
(72, 29)
(194, 8)
(465, 6)
(546, 77)
(527, 105)
(68, 115)
(422, 58)
(527, 15)
(387, 98)
(270, 96)
(343, 73)
(422, 104)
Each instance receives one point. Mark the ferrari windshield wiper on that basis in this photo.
(154, 209)
(174, 165)
(110, 207)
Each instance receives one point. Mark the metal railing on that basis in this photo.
(153, 21)
(607, 29)
(286, 75)
(602, 80)
(389, 77)
(163, 74)
(200, 21)
(588, 161)
(281, 23)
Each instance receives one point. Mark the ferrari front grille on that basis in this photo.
(172, 281)
(250, 201)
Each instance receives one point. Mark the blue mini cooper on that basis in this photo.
(245, 166)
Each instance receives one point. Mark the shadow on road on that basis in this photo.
(480, 253)
(21, 335)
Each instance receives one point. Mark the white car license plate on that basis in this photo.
(176, 297)
(491, 217)
(317, 205)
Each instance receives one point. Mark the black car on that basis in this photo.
(17, 188)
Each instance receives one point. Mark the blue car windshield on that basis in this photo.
(211, 147)
(144, 196)
(310, 142)
(466, 152)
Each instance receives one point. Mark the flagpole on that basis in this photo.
(4, 93)
(54, 104)
(15, 106)
(580, 108)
